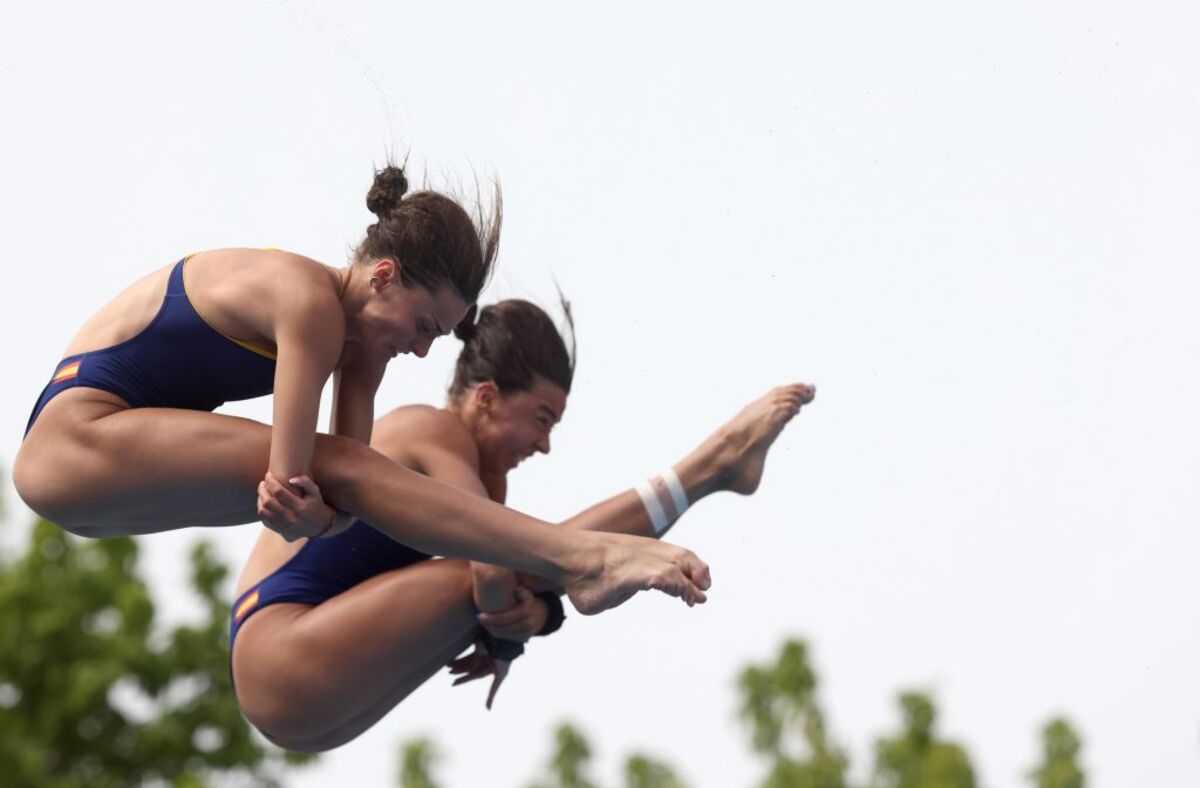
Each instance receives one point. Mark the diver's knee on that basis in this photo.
(308, 746)
(33, 486)
(292, 729)
(48, 498)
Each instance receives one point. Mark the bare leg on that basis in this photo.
(369, 648)
(356, 726)
(731, 459)
(98, 468)
(363, 652)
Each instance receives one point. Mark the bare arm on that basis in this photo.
(309, 334)
(354, 387)
(495, 587)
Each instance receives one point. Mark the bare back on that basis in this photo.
(236, 291)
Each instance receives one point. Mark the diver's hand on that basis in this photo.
(521, 621)
(296, 510)
(476, 665)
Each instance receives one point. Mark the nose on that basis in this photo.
(543, 443)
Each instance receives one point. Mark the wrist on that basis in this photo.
(333, 513)
(555, 615)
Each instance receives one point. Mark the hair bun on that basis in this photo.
(467, 327)
(389, 188)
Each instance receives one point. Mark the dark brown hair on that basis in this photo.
(513, 342)
(431, 236)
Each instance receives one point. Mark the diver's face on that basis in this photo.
(399, 319)
(517, 425)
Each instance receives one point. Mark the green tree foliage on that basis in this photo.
(417, 758)
(569, 764)
(786, 724)
(568, 767)
(572, 757)
(915, 758)
(1060, 752)
(91, 694)
(642, 771)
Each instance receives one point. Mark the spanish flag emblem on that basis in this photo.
(247, 605)
(66, 372)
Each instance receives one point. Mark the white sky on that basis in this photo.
(971, 225)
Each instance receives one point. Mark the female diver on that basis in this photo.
(122, 440)
(373, 619)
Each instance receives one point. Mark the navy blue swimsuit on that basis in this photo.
(177, 361)
(324, 568)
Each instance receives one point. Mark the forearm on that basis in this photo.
(300, 374)
(293, 436)
(288, 461)
(353, 410)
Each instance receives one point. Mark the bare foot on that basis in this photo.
(617, 566)
(741, 445)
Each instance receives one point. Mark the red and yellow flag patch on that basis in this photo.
(66, 372)
(247, 605)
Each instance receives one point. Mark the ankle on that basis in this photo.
(664, 498)
(706, 470)
(584, 559)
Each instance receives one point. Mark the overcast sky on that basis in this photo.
(973, 226)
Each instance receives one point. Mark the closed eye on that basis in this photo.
(545, 418)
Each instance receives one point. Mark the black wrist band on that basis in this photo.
(554, 612)
(502, 649)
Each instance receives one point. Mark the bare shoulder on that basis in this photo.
(275, 273)
(410, 431)
(426, 423)
(311, 272)
(251, 291)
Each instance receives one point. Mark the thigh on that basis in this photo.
(98, 467)
(387, 700)
(304, 672)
